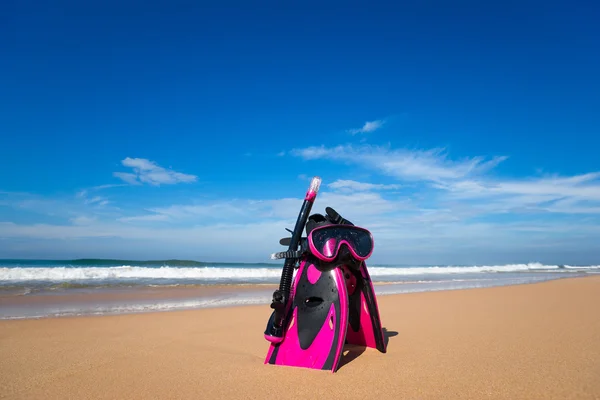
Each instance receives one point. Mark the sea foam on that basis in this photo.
(126, 272)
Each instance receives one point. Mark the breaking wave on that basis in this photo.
(245, 273)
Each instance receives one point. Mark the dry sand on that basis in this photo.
(538, 341)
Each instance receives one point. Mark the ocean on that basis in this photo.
(53, 288)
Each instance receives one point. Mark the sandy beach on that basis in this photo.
(535, 341)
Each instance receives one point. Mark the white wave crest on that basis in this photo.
(386, 271)
(59, 274)
(128, 272)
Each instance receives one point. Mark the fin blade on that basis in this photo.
(364, 325)
(316, 333)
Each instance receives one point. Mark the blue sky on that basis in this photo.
(459, 134)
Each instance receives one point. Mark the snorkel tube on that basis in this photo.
(275, 327)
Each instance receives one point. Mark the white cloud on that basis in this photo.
(220, 210)
(578, 194)
(420, 234)
(145, 218)
(95, 199)
(311, 153)
(583, 186)
(256, 240)
(102, 187)
(361, 205)
(369, 126)
(83, 220)
(128, 177)
(428, 165)
(400, 226)
(350, 185)
(146, 171)
(465, 183)
(456, 204)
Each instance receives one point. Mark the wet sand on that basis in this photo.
(15, 298)
(536, 341)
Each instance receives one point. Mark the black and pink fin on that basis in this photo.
(317, 320)
(364, 323)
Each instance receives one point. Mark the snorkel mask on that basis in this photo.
(331, 242)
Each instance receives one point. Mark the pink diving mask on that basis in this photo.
(326, 241)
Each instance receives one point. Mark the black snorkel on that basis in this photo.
(275, 327)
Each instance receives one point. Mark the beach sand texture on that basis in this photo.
(537, 341)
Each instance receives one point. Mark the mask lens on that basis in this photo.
(326, 240)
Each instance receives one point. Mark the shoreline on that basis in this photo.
(534, 341)
(72, 303)
(129, 300)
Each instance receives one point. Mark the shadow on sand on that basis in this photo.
(353, 351)
(387, 335)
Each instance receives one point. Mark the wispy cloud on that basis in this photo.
(109, 186)
(419, 202)
(97, 200)
(369, 126)
(360, 204)
(466, 183)
(145, 218)
(83, 220)
(84, 196)
(350, 185)
(223, 210)
(69, 208)
(128, 177)
(146, 171)
(428, 165)
(578, 194)
(585, 186)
